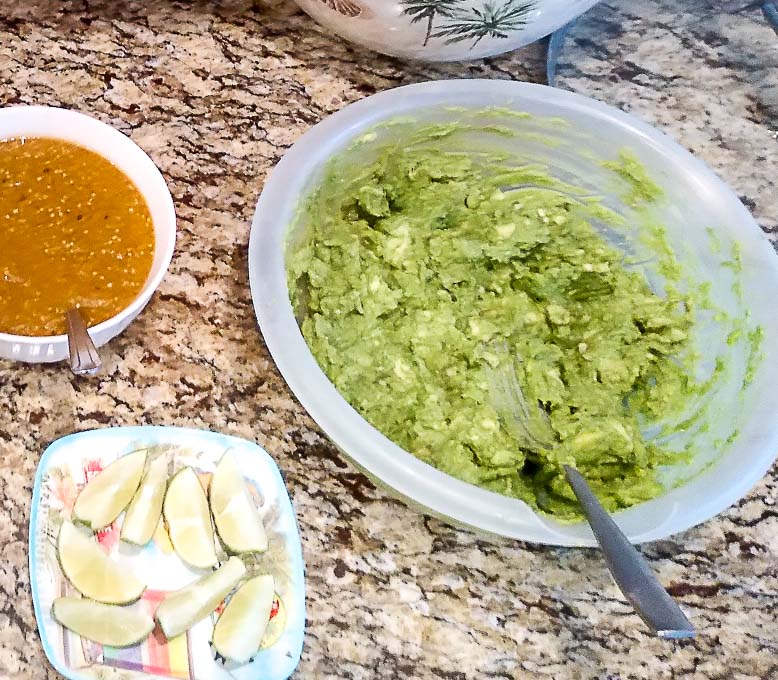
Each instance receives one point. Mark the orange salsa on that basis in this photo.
(74, 232)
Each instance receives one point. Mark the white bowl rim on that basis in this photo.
(153, 282)
(363, 443)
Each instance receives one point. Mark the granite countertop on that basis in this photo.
(215, 93)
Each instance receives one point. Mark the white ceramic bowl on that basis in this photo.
(444, 30)
(42, 121)
(696, 200)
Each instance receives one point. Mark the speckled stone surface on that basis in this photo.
(215, 93)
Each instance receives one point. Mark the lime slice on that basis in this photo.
(104, 497)
(105, 624)
(276, 625)
(241, 627)
(184, 608)
(234, 511)
(188, 520)
(91, 571)
(142, 517)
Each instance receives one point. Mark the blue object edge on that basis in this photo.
(770, 11)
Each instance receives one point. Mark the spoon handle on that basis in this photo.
(84, 359)
(630, 570)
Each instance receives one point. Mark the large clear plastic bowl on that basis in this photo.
(696, 201)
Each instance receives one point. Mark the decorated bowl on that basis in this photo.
(444, 30)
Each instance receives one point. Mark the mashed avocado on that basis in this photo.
(426, 281)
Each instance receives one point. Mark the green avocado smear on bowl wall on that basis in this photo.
(424, 271)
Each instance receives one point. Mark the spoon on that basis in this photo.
(629, 568)
(84, 359)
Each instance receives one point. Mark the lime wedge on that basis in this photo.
(104, 497)
(184, 608)
(234, 511)
(142, 517)
(105, 624)
(241, 627)
(188, 519)
(276, 625)
(91, 571)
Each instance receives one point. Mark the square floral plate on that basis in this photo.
(63, 470)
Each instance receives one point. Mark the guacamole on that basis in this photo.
(430, 283)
